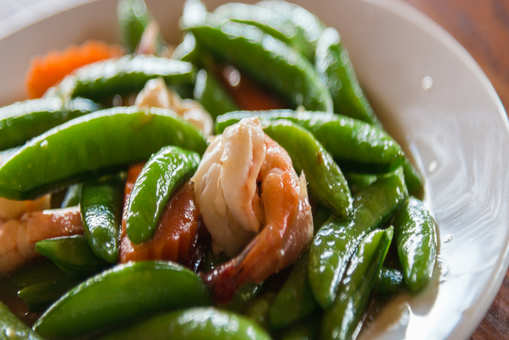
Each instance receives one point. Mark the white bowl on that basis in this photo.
(428, 91)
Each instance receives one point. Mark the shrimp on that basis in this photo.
(10, 209)
(156, 94)
(251, 197)
(19, 236)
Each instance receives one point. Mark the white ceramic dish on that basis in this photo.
(428, 91)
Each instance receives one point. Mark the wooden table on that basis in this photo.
(482, 27)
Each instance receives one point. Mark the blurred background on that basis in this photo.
(481, 26)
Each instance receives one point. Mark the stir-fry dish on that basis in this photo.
(236, 186)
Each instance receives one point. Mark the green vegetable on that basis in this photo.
(187, 50)
(38, 296)
(336, 241)
(258, 309)
(12, 328)
(35, 272)
(72, 196)
(334, 66)
(357, 181)
(242, 297)
(193, 13)
(196, 324)
(124, 76)
(326, 181)
(308, 329)
(354, 144)
(161, 176)
(71, 253)
(416, 241)
(23, 120)
(267, 60)
(120, 294)
(96, 142)
(211, 94)
(413, 179)
(101, 208)
(133, 18)
(389, 281)
(340, 321)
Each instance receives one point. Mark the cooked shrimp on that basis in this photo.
(10, 209)
(235, 167)
(19, 236)
(156, 94)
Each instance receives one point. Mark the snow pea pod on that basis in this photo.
(413, 179)
(12, 328)
(308, 329)
(334, 66)
(258, 309)
(133, 18)
(96, 142)
(23, 120)
(123, 76)
(161, 176)
(267, 60)
(336, 241)
(101, 206)
(194, 323)
(340, 321)
(416, 242)
(146, 287)
(72, 196)
(389, 281)
(211, 94)
(39, 296)
(70, 253)
(326, 181)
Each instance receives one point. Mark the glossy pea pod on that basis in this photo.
(23, 120)
(258, 309)
(101, 208)
(211, 94)
(93, 144)
(40, 295)
(356, 145)
(326, 181)
(389, 281)
(194, 323)
(308, 329)
(72, 196)
(133, 18)
(161, 176)
(341, 319)
(157, 286)
(267, 60)
(336, 241)
(416, 242)
(12, 328)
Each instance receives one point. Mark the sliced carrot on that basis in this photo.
(48, 70)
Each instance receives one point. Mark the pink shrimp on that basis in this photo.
(235, 167)
(18, 236)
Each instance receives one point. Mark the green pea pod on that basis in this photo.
(38, 271)
(334, 66)
(389, 281)
(340, 321)
(161, 176)
(194, 323)
(258, 309)
(70, 253)
(124, 75)
(72, 196)
(101, 208)
(120, 294)
(295, 293)
(133, 18)
(354, 144)
(308, 329)
(211, 94)
(357, 181)
(326, 181)
(187, 50)
(267, 60)
(96, 142)
(41, 295)
(12, 328)
(416, 241)
(242, 297)
(336, 241)
(23, 120)
(413, 179)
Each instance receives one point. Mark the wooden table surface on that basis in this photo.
(482, 27)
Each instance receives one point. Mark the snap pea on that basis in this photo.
(194, 323)
(72, 196)
(211, 94)
(38, 296)
(340, 321)
(357, 181)
(12, 328)
(416, 242)
(23, 120)
(70, 253)
(101, 206)
(334, 66)
(389, 281)
(336, 241)
(413, 179)
(242, 297)
(161, 176)
(308, 329)
(120, 294)
(133, 18)
(295, 293)
(258, 309)
(95, 142)
(266, 59)
(124, 75)
(326, 181)
(356, 145)
(187, 50)
(35, 272)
